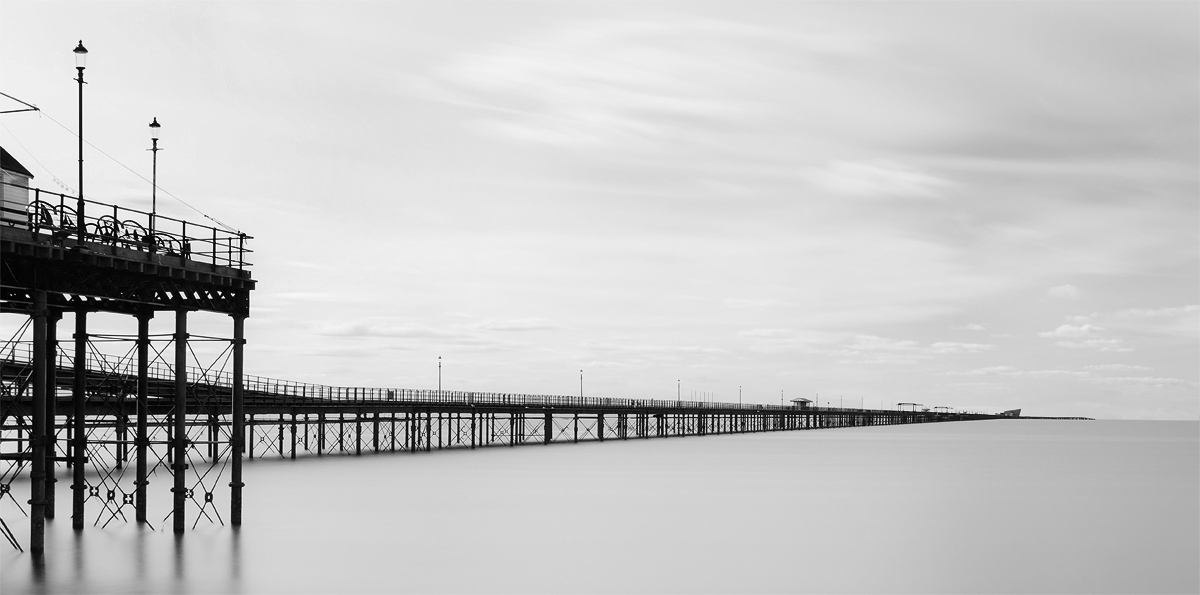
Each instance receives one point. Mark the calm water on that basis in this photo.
(998, 506)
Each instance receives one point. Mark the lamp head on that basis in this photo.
(154, 128)
(80, 55)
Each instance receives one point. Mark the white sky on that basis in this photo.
(976, 205)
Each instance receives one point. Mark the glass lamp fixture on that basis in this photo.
(80, 55)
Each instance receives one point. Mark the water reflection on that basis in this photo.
(77, 555)
(235, 554)
(139, 553)
(39, 571)
(178, 560)
(795, 512)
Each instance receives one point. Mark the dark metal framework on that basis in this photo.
(282, 419)
(287, 419)
(97, 414)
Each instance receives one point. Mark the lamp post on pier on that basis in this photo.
(439, 375)
(581, 384)
(154, 131)
(80, 63)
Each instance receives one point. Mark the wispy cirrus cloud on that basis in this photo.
(518, 324)
(1148, 381)
(608, 82)
(1085, 336)
(1180, 321)
(876, 180)
(1064, 292)
(1012, 371)
(954, 347)
(1117, 367)
(855, 348)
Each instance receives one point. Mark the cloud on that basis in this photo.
(669, 350)
(1052, 373)
(311, 296)
(742, 304)
(870, 349)
(1117, 367)
(608, 82)
(519, 324)
(951, 347)
(1070, 330)
(1101, 344)
(404, 334)
(880, 179)
(1064, 292)
(375, 329)
(1011, 371)
(873, 343)
(1085, 336)
(991, 371)
(1179, 321)
(971, 327)
(766, 333)
(1174, 312)
(1148, 381)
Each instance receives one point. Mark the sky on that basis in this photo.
(982, 206)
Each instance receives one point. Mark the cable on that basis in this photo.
(57, 181)
(132, 171)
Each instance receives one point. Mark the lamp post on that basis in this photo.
(154, 131)
(678, 392)
(581, 384)
(80, 63)
(439, 375)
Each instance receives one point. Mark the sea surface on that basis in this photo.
(1005, 506)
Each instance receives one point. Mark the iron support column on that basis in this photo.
(179, 465)
(52, 318)
(37, 475)
(79, 437)
(237, 430)
(142, 440)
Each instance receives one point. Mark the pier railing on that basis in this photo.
(54, 214)
(291, 393)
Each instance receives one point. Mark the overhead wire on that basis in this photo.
(57, 181)
(118, 162)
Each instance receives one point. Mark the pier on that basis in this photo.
(117, 422)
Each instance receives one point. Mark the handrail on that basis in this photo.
(54, 213)
(288, 392)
